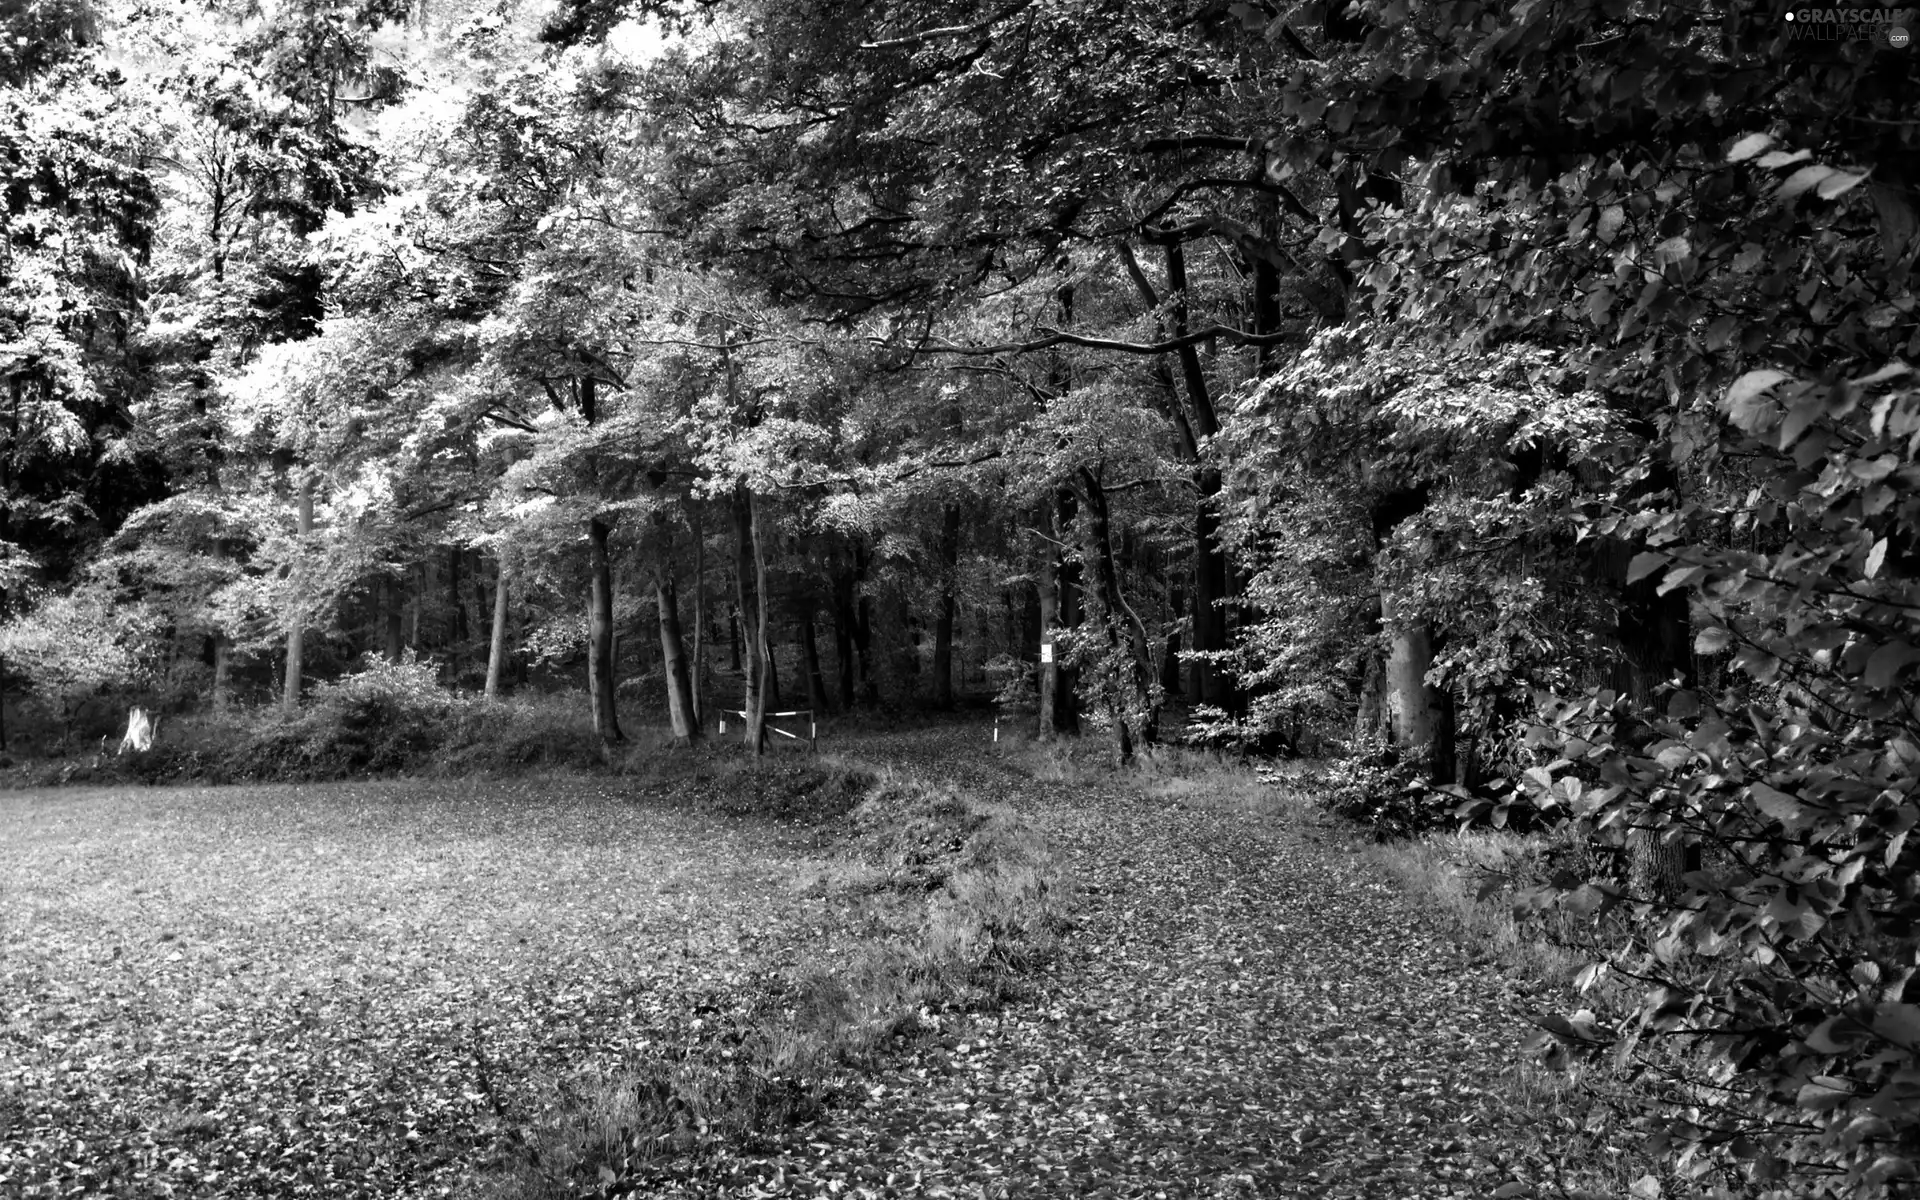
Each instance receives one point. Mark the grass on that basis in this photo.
(947, 901)
(253, 990)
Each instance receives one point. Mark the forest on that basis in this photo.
(1509, 403)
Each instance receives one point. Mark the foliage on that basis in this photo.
(1783, 965)
(71, 648)
(1389, 794)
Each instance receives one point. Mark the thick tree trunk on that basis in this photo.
(600, 681)
(816, 682)
(750, 610)
(943, 623)
(497, 643)
(733, 633)
(296, 629)
(680, 709)
(1410, 702)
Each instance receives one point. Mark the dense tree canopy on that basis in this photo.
(1513, 397)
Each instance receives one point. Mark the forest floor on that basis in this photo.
(1244, 1009)
(341, 989)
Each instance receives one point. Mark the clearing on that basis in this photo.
(239, 991)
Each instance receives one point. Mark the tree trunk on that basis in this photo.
(697, 686)
(909, 658)
(222, 673)
(417, 605)
(763, 641)
(816, 682)
(1409, 700)
(943, 624)
(1170, 662)
(845, 617)
(748, 610)
(600, 682)
(391, 618)
(1211, 683)
(733, 633)
(1129, 686)
(1370, 719)
(680, 708)
(458, 630)
(296, 629)
(1067, 611)
(1049, 677)
(497, 644)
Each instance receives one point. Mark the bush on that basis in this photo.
(72, 648)
(1391, 798)
(1770, 976)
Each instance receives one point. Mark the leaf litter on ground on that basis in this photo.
(350, 989)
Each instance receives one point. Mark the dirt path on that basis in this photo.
(1243, 1011)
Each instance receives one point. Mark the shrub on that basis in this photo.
(72, 648)
(1391, 798)
(382, 718)
(1770, 983)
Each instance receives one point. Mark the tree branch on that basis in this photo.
(1054, 337)
(946, 31)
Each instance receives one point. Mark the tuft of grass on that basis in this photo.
(989, 910)
(1444, 873)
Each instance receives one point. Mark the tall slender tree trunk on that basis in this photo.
(1049, 674)
(680, 709)
(392, 618)
(845, 617)
(748, 610)
(417, 605)
(222, 673)
(497, 643)
(1067, 612)
(600, 681)
(943, 623)
(1129, 686)
(1211, 684)
(1370, 717)
(296, 628)
(763, 641)
(733, 634)
(458, 630)
(909, 657)
(1170, 659)
(810, 651)
(697, 683)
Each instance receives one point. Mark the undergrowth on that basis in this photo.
(955, 899)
